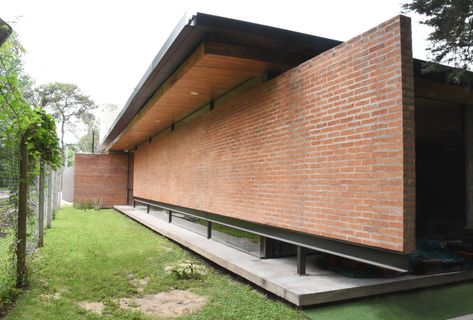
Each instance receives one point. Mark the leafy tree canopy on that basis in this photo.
(66, 102)
(43, 139)
(18, 119)
(92, 136)
(452, 36)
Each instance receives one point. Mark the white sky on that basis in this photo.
(105, 46)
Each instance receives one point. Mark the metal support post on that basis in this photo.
(301, 260)
(209, 229)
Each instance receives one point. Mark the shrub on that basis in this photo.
(97, 203)
(89, 204)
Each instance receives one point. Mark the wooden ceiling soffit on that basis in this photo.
(211, 70)
(435, 90)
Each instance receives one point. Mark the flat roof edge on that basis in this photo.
(188, 33)
(162, 58)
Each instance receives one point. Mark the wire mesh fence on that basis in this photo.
(9, 186)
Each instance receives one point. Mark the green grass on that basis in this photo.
(430, 304)
(89, 255)
(7, 269)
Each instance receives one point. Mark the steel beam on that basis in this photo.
(374, 256)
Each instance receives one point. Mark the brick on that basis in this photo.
(326, 148)
(103, 176)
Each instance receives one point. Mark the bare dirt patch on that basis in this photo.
(56, 296)
(139, 284)
(174, 303)
(95, 307)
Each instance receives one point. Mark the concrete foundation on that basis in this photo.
(279, 277)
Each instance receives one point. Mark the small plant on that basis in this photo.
(83, 205)
(187, 270)
(97, 203)
(89, 204)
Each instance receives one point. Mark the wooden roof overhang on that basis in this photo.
(212, 70)
(204, 58)
(433, 84)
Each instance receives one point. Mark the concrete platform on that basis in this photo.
(279, 277)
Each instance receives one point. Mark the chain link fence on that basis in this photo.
(9, 186)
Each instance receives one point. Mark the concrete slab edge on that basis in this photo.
(310, 298)
(265, 284)
(383, 288)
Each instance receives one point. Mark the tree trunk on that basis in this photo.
(62, 138)
(21, 276)
(41, 206)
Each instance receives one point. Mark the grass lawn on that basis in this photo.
(7, 246)
(90, 256)
(7, 280)
(429, 304)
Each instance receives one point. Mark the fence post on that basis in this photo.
(50, 200)
(22, 216)
(59, 188)
(57, 192)
(41, 206)
(53, 188)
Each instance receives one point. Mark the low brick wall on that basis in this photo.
(101, 176)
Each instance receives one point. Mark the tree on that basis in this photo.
(66, 102)
(93, 127)
(27, 132)
(452, 36)
(89, 141)
(70, 154)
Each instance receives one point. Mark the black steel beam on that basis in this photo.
(374, 256)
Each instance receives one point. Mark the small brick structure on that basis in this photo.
(326, 148)
(101, 176)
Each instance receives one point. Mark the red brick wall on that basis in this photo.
(102, 176)
(326, 148)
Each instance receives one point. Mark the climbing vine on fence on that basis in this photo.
(27, 131)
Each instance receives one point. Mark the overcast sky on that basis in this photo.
(105, 46)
